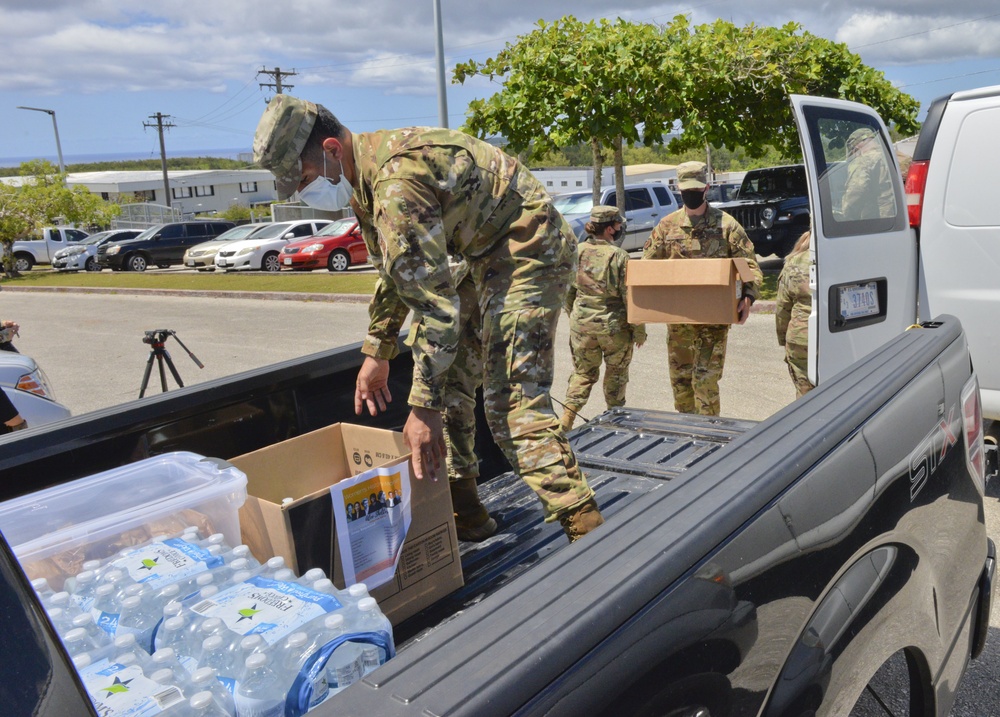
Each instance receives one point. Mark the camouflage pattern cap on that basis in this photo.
(281, 136)
(692, 175)
(603, 213)
(858, 136)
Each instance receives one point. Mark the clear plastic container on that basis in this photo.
(54, 531)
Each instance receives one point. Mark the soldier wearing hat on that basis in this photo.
(422, 195)
(599, 328)
(697, 352)
(868, 190)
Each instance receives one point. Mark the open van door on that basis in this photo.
(864, 270)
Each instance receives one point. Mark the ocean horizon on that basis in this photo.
(225, 153)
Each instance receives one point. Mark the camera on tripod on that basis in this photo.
(157, 353)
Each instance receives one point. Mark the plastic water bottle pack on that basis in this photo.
(186, 625)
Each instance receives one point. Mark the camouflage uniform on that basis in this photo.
(791, 318)
(424, 194)
(868, 190)
(599, 326)
(697, 352)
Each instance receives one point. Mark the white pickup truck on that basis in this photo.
(40, 249)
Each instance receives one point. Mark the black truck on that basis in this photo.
(775, 568)
(772, 205)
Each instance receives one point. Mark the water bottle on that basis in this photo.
(129, 644)
(242, 552)
(60, 620)
(203, 704)
(42, 589)
(260, 692)
(205, 679)
(172, 609)
(214, 539)
(94, 565)
(59, 599)
(371, 619)
(249, 645)
(295, 651)
(167, 594)
(77, 641)
(215, 654)
(86, 621)
(166, 677)
(344, 667)
(138, 617)
(173, 634)
(285, 575)
(82, 661)
(166, 658)
(84, 588)
(309, 577)
(273, 565)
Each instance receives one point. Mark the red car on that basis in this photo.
(337, 247)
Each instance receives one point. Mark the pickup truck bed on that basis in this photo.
(744, 569)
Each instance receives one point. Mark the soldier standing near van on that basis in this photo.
(421, 195)
(697, 352)
(791, 315)
(868, 189)
(599, 327)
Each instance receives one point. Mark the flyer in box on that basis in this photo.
(371, 513)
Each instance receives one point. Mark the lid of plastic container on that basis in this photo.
(131, 602)
(82, 660)
(87, 576)
(324, 585)
(285, 575)
(240, 564)
(91, 564)
(357, 590)
(126, 639)
(40, 584)
(85, 510)
(83, 619)
(366, 604)
(250, 642)
(212, 643)
(334, 621)
(297, 639)
(164, 654)
(257, 659)
(174, 623)
(77, 633)
(105, 589)
(201, 701)
(203, 674)
(276, 563)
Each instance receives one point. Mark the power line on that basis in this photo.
(926, 32)
(277, 74)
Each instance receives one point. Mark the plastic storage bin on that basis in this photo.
(53, 531)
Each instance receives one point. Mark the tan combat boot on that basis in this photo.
(568, 417)
(472, 522)
(581, 520)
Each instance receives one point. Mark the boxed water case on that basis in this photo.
(53, 531)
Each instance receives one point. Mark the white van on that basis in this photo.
(934, 249)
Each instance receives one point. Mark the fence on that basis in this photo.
(143, 216)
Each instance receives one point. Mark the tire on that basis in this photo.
(339, 260)
(136, 262)
(163, 266)
(206, 268)
(91, 265)
(23, 262)
(271, 263)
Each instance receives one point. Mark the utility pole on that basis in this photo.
(160, 118)
(277, 74)
(439, 52)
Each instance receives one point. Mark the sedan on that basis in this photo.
(261, 251)
(202, 256)
(82, 255)
(337, 247)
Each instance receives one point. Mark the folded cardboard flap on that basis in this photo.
(302, 531)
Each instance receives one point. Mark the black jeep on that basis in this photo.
(773, 207)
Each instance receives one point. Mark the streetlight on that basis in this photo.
(55, 127)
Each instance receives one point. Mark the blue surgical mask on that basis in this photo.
(323, 194)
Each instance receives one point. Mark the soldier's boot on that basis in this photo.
(472, 522)
(568, 417)
(581, 520)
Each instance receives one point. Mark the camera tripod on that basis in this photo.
(156, 340)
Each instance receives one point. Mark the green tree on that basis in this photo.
(42, 198)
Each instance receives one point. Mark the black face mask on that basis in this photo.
(618, 233)
(693, 198)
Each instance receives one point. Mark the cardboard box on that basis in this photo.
(302, 531)
(686, 291)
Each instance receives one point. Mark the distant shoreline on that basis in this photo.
(226, 153)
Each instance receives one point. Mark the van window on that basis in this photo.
(172, 231)
(970, 196)
(664, 197)
(637, 199)
(74, 235)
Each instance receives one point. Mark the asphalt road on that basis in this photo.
(91, 348)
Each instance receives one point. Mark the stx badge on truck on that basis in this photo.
(929, 453)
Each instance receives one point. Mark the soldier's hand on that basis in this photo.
(372, 387)
(743, 310)
(424, 434)
(640, 341)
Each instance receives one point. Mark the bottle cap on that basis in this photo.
(202, 700)
(82, 660)
(204, 579)
(240, 575)
(105, 589)
(172, 609)
(334, 622)
(211, 624)
(212, 643)
(284, 575)
(216, 539)
(40, 584)
(257, 659)
(174, 623)
(91, 565)
(163, 676)
(250, 642)
(131, 602)
(59, 599)
(87, 576)
(323, 585)
(75, 635)
(170, 590)
(297, 639)
(276, 563)
(124, 641)
(164, 655)
(240, 564)
(357, 590)
(133, 589)
(83, 619)
(202, 675)
(367, 604)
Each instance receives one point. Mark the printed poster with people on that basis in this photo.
(372, 515)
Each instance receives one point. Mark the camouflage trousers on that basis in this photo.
(697, 354)
(521, 287)
(464, 376)
(589, 349)
(797, 358)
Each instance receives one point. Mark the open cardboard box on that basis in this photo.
(686, 291)
(302, 531)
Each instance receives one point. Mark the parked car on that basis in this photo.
(262, 251)
(337, 247)
(27, 387)
(82, 255)
(645, 204)
(162, 245)
(202, 256)
(723, 192)
(772, 205)
(40, 249)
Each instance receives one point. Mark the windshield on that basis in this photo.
(774, 182)
(93, 238)
(335, 229)
(240, 232)
(574, 203)
(149, 232)
(273, 231)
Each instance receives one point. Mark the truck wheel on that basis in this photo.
(270, 262)
(136, 262)
(338, 261)
(163, 266)
(91, 265)
(23, 262)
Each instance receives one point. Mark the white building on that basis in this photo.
(192, 191)
(560, 180)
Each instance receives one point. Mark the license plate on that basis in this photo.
(223, 262)
(288, 261)
(190, 262)
(858, 300)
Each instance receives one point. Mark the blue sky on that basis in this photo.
(107, 66)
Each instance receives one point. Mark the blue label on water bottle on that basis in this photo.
(107, 621)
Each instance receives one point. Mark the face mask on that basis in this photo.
(618, 233)
(693, 198)
(323, 194)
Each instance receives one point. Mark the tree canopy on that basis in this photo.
(568, 82)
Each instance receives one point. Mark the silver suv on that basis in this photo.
(645, 204)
